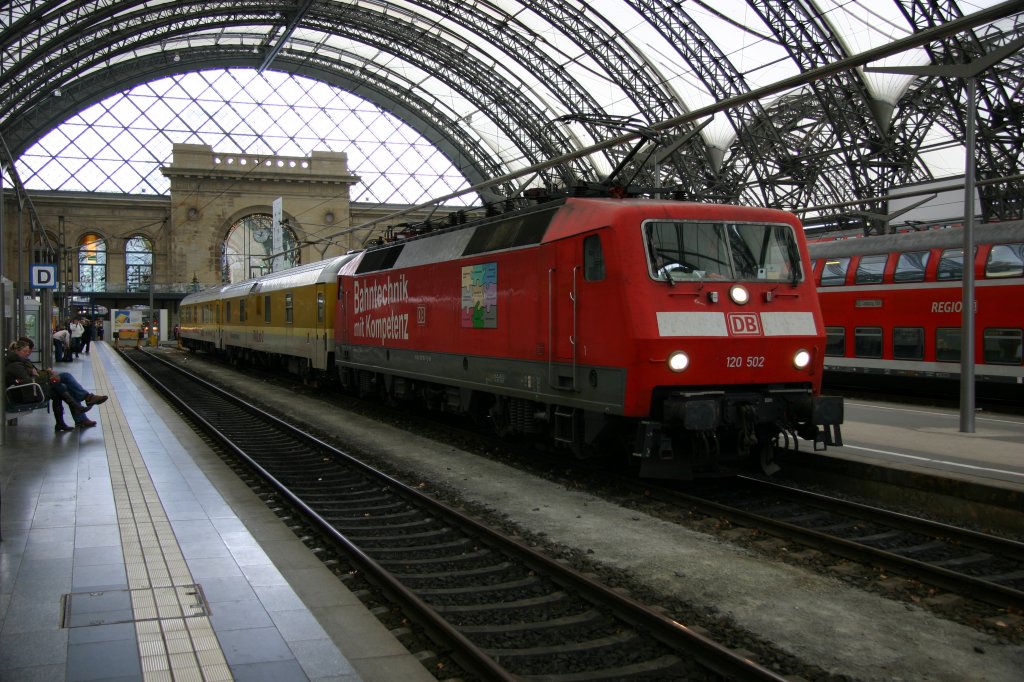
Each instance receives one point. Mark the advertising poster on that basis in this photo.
(126, 324)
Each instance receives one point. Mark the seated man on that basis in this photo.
(74, 389)
(20, 370)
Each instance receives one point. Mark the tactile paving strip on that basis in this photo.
(176, 642)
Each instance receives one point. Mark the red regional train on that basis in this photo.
(893, 309)
(685, 337)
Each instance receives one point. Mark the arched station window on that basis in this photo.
(138, 263)
(92, 262)
(249, 249)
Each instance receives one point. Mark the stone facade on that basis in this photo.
(67, 216)
(211, 191)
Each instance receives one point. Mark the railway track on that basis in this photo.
(502, 610)
(985, 567)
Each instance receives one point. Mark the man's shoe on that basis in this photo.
(93, 399)
(85, 423)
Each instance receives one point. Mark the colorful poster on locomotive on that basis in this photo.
(480, 296)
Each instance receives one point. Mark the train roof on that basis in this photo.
(208, 294)
(537, 224)
(1006, 232)
(323, 271)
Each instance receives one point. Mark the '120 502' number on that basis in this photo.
(738, 361)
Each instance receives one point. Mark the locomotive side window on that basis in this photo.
(241, 310)
(227, 311)
(288, 309)
(951, 265)
(911, 266)
(867, 342)
(908, 343)
(320, 307)
(1003, 346)
(947, 344)
(835, 341)
(870, 269)
(593, 259)
(1005, 260)
(266, 309)
(744, 251)
(834, 272)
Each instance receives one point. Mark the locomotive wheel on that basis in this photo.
(500, 419)
(766, 454)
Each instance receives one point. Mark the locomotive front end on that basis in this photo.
(736, 347)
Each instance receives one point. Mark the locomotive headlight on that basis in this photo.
(678, 361)
(739, 294)
(801, 359)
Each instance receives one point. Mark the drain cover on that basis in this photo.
(83, 609)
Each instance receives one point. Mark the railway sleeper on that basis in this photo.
(617, 640)
(502, 567)
(589, 617)
(542, 601)
(529, 581)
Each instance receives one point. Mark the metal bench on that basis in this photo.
(23, 398)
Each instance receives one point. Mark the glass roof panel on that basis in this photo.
(517, 49)
(119, 144)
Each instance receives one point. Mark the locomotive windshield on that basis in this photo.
(681, 251)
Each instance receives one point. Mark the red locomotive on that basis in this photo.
(686, 336)
(893, 308)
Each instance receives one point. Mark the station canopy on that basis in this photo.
(494, 97)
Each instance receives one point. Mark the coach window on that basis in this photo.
(908, 343)
(266, 309)
(911, 266)
(835, 341)
(241, 310)
(867, 342)
(870, 269)
(288, 309)
(1003, 346)
(593, 259)
(947, 344)
(951, 264)
(320, 306)
(227, 311)
(834, 272)
(1005, 260)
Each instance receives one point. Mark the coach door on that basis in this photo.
(322, 335)
(563, 307)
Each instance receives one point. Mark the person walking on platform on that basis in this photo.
(20, 370)
(61, 345)
(77, 329)
(87, 334)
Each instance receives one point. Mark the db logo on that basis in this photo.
(744, 323)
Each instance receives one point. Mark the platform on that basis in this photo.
(930, 439)
(131, 552)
